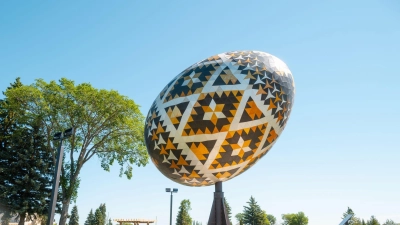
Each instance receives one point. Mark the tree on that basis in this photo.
(196, 222)
(102, 209)
(239, 218)
(90, 219)
(354, 220)
(183, 217)
(109, 222)
(74, 219)
(373, 221)
(253, 214)
(295, 219)
(26, 171)
(107, 125)
(271, 219)
(389, 222)
(228, 210)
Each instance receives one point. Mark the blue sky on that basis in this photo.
(340, 147)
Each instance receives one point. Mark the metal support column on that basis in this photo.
(218, 215)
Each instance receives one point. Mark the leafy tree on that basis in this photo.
(74, 219)
(295, 219)
(26, 171)
(389, 222)
(183, 217)
(228, 210)
(107, 125)
(253, 214)
(373, 221)
(271, 219)
(239, 218)
(90, 219)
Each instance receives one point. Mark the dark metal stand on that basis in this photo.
(218, 215)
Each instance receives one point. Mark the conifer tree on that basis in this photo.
(98, 217)
(74, 219)
(90, 219)
(183, 217)
(26, 170)
(253, 214)
(373, 221)
(228, 210)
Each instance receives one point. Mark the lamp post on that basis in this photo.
(172, 190)
(56, 179)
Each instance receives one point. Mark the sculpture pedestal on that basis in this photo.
(218, 215)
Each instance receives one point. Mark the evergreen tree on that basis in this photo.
(98, 217)
(183, 217)
(373, 221)
(354, 220)
(26, 170)
(102, 209)
(90, 219)
(74, 219)
(253, 214)
(228, 210)
(109, 222)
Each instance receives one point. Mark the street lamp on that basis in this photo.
(56, 179)
(172, 190)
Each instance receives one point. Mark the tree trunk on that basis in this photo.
(64, 211)
(21, 219)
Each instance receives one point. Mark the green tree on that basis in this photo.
(271, 219)
(239, 218)
(295, 219)
(74, 219)
(354, 220)
(228, 210)
(107, 125)
(183, 217)
(373, 221)
(90, 219)
(389, 222)
(25, 169)
(98, 217)
(253, 214)
(109, 222)
(102, 209)
(363, 222)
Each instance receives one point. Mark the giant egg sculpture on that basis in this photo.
(219, 116)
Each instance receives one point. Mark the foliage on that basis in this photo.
(253, 214)
(74, 219)
(26, 170)
(373, 221)
(107, 125)
(228, 210)
(294, 219)
(271, 219)
(183, 217)
(389, 222)
(239, 218)
(196, 222)
(109, 222)
(354, 220)
(90, 219)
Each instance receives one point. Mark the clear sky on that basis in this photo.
(340, 147)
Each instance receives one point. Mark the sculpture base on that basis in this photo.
(218, 215)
